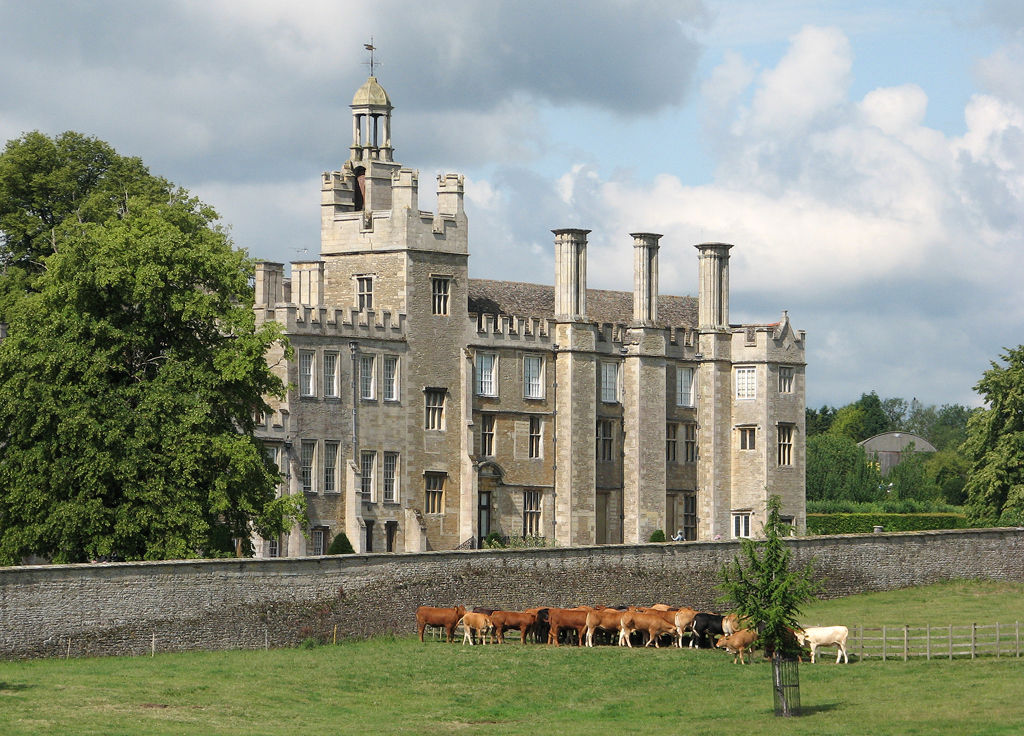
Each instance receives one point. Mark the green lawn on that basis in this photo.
(397, 685)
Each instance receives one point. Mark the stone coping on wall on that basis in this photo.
(575, 551)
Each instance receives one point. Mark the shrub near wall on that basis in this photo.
(865, 523)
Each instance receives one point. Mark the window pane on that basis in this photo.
(532, 382)
(368, 462)
(531, 513)
(690, 442)
(390, 483)
(487, 435)
(330, 466)
(535, 428)
(434, 500)
(364, 292)
(306, 372)
(785, 444)
(485, 363)
(785, 380)
(391, 378)
(330, 374)
(367, 385)
(434, 409)
(307, 453)
(440, 287)
(610, 382)
(684, 386)
(746, 385)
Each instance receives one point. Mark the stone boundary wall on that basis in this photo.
(136, 608)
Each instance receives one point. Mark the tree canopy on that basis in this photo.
(133, 367)
(838, 468)
(995, 445)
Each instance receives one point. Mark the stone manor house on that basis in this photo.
(428, 409)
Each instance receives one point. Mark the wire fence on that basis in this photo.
(965, 641)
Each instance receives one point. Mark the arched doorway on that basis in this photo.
(488, 483)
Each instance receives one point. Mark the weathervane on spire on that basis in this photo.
(371, 48)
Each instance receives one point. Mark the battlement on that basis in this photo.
(615, 333)
(350, 323)
(512, 327)
(541, 329)
(377, 207)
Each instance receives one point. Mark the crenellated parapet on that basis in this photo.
(346, 324)
(512, 327)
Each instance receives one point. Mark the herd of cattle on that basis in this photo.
(649, 625)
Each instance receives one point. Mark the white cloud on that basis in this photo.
(895, 110)
(810, 81)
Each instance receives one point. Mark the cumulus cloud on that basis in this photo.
(849, 212)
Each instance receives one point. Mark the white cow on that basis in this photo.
(825, 636)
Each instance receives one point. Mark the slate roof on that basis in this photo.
(538, 300)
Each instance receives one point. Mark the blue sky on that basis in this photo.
(865, 158)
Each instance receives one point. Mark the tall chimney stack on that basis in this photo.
(645, 278)
(570, 274)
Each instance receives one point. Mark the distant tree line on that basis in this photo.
(839, 469)
(979, 462)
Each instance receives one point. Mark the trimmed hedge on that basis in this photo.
(865, 523)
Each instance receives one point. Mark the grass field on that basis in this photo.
(399, 686)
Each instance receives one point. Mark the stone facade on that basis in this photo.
(428, 409)
(135, 608)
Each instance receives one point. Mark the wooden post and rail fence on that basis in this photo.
(902, 643)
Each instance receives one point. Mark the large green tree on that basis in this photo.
(46, 183)
(839, 469)
(995, 445)
(133, 367)
(763, 589)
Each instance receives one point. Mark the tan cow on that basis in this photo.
(445, 618)
(609, 619)
(682, 620)
(737, 643)
(732, 623)
(652, 625)
(479, 623)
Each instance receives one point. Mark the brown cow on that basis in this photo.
(654, 626)
(505, 620)
(668, 615)
(738, 643)
(567, 618)
(476, 623)
(445, 618)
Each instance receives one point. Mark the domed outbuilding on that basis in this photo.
(887, 448)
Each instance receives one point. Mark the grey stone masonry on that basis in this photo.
(137, 608)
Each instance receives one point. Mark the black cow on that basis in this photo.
(703, 625)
